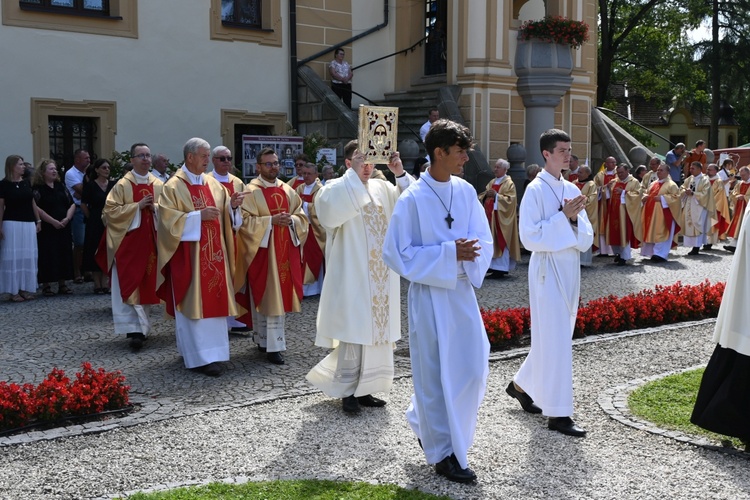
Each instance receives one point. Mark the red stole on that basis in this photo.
(489, 207)
(722, 224)
(136, 256)
(580, 185)
(739, 211)
(572, 177)
(613, 214)
(297, 182)
(178, 272)
(605, 213)
(229, 186)
(288, 258)
(312, 254)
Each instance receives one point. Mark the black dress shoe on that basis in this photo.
(566, 426)
(452, 471)
(261, 349)
(212, 369)
(239, 329)
(617, 258)
(730, 248)
(656, 258)
(136, 340)
(526, 402)
(370, 401)
(275, 358)
(494, 274)
(350, 404)
(694, 251)
(707, 246)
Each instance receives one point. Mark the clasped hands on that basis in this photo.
(467, 250)
(281, 219)
(573, 206)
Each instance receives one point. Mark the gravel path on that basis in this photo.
(302, 434)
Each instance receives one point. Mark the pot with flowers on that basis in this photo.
(544, 45)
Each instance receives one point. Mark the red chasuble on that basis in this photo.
(312, 254)
(652, 203)
(613, 216)
(722, 224)
(739, 210)
(136, 256)
(288, 259)
(212, 267)
(572, 177)
(489, 207)
(603, 216)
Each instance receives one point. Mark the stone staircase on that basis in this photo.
(413, 106)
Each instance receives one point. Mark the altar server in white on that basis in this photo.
(554, 226)
(360, 305)
(439, 239)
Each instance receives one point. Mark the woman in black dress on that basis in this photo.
(56, 209)
(96, 187)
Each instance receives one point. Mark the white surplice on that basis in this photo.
(447, 341)
(731, 330)
(360, 302)
(554, 285)
(206, 340)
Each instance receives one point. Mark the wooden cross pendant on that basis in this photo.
(449, 220)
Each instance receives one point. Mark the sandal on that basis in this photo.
(64, 290)
(47, 291)
(16, 298)
(27, 295)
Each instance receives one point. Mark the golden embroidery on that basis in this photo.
(376, 225)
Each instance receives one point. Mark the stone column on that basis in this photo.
(543, 71)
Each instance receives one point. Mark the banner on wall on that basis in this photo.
(286, 148)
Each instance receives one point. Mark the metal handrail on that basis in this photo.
(400, 122)
(672, 144)
(402, 51)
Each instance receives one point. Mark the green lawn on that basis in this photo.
(668, 402)
(290, 490)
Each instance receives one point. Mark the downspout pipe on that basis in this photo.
(293, 81)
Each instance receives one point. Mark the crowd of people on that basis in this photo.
(223, 255)
(645, 209)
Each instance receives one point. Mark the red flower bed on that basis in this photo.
(56, 397)
(662, 306)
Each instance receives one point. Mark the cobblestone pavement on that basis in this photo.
(64, 331)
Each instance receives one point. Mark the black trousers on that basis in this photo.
(344, 91)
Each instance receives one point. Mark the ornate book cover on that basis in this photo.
(378, 133)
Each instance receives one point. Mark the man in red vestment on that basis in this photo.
(269, 259)
(622, 226)
(314, 250)
(738, 200)
(129, 214)
(197, 216)
(602, 179)
(299, 163)
(221, 157)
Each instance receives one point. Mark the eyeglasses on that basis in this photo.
(270, 164)
(299, 164)
(143, 156)
(223, 158)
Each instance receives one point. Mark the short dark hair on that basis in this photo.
(78, 152)
(699, 143)
(263, 152)
(137, 145)
(302, 156)
(549, 139)
(350, 148)
(429, 112)
(446, 133)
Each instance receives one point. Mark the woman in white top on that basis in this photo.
(341, 77)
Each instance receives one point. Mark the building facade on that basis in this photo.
(103, 74)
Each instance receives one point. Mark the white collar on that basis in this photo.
(194, 179)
